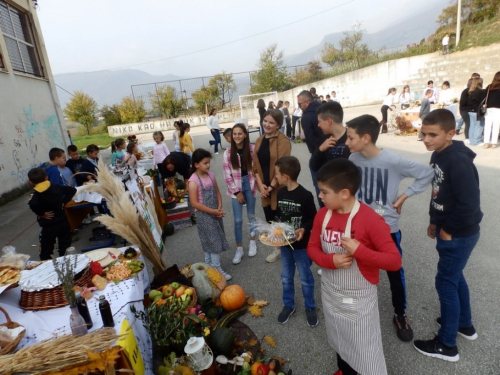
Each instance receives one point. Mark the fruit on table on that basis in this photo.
(183, 370)
(174, 285)
(168, 291)
(254, 367)
(263, 370)
(189, 291)
(222, 341)
(179, 291)
(232, 297)
(154, 293)
(207, 280)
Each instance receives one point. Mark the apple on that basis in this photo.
(153, 294)
(179, 291)
(169, 291)
(174, 285)
(192, 310)
(189, 291)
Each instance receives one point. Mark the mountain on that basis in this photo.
(408, 30)
(105, 86)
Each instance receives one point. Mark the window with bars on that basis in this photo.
(19, 39)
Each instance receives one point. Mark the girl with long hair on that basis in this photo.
(213, 125)
(160, 149)
(175, 135)
(492, 118)
(206, 199)
(269, 147)
(271, 105)
(131, 158)
(476, 96)
(405, 98)
(261, 106)
(185, 140)
(237, 165)
(117, 150)
(387, 105)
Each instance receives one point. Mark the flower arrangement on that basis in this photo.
(132, 138)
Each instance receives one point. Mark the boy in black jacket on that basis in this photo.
(455, 215)
(47, 202)
(295, 207)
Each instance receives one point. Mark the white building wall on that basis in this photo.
(31, 121)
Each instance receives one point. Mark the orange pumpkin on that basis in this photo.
(232, 297)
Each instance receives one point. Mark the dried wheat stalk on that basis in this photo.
(53, 354)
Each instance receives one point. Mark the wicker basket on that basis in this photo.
(10, 324)
(194, 298)
(46, 299)
(77, 173)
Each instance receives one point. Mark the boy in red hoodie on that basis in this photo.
(351, 242)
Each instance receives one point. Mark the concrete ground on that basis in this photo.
(307, 348)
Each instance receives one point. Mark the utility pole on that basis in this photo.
(459, 19)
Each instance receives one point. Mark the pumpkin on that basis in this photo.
(222, 341)
(168, 229)
(255, 367)
(180, 185)
(232, 297)
(183, 370)
(207, 280)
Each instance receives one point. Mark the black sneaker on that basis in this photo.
(434, 348)
(312, 317)
(403, 329)
(468, 333)
(285, 314)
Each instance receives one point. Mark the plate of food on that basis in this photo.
(277, 237)
(97, 255)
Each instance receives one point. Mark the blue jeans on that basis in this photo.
(238, 211)
(213, 259)
(315, 183)
(289, 259)
(451, 286)
(476, 129)
(217, 141)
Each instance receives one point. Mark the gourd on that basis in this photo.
(207, 280)
(183, 370)
(227, 319)
(180, 185)
(168, 229)
(232, 297)
(222, 341)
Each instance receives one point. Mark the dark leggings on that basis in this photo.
(466, 118)
(294, 124)
(269, 214)
(384, 110)
(344, 367)
(288, 127)
(397, 281)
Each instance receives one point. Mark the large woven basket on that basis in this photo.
(10, 324)
(46, 299)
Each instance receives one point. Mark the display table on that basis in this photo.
(41, 325)
(145, 164)
(413, 114)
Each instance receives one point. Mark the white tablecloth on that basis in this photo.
(145, 164)
(87, 196)
(41, 325)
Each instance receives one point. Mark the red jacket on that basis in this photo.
(376, 250)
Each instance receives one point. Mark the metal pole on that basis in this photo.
(459, 19)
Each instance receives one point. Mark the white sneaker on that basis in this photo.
(274, 255)
(320, 272)
(480, 144)
(225, 274)
(216, 153)
(238, 255)
(467, 142)
(252, 248)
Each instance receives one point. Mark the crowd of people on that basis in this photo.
(356, 230)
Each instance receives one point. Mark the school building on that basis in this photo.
(31, 120)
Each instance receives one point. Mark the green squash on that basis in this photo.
(168, 229)
(222, 341)
(180, 185)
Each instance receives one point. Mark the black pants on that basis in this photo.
(466, 118)
(344, 367)
(397, 281)
(269, 213)
(48, 236)
(384, 110)
(294, 124)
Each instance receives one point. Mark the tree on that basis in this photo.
(131, 110)
(166, 102)
(82, 109)
(272, 74)
(307, 74)
(111, 114)
(224, 87)
(350, 48)
(205, 97)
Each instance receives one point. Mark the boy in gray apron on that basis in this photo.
(351, 242)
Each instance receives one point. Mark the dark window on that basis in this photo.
(18, 35)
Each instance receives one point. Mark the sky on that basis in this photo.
(90, 35)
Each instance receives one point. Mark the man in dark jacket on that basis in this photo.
(314, 135)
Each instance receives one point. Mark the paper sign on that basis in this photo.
(128, 342)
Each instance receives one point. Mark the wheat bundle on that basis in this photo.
(126, 221)
(53, 354)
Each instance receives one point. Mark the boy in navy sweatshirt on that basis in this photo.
(455, 215)
(47, 202)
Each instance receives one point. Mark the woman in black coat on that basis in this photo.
(176, 162)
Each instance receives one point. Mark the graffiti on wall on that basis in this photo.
(33, 136)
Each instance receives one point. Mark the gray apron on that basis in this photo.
(350, 306)
(210, 228)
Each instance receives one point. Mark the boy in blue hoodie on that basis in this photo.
(455, 215)
(54, 167)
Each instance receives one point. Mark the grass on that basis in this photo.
(481, 34)
(103, 141)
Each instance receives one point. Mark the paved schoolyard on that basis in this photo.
(306, 347)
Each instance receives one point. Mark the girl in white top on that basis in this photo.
(446, 94)
(175, 135)
(406, 97)
(387, 105)
(160, 150)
